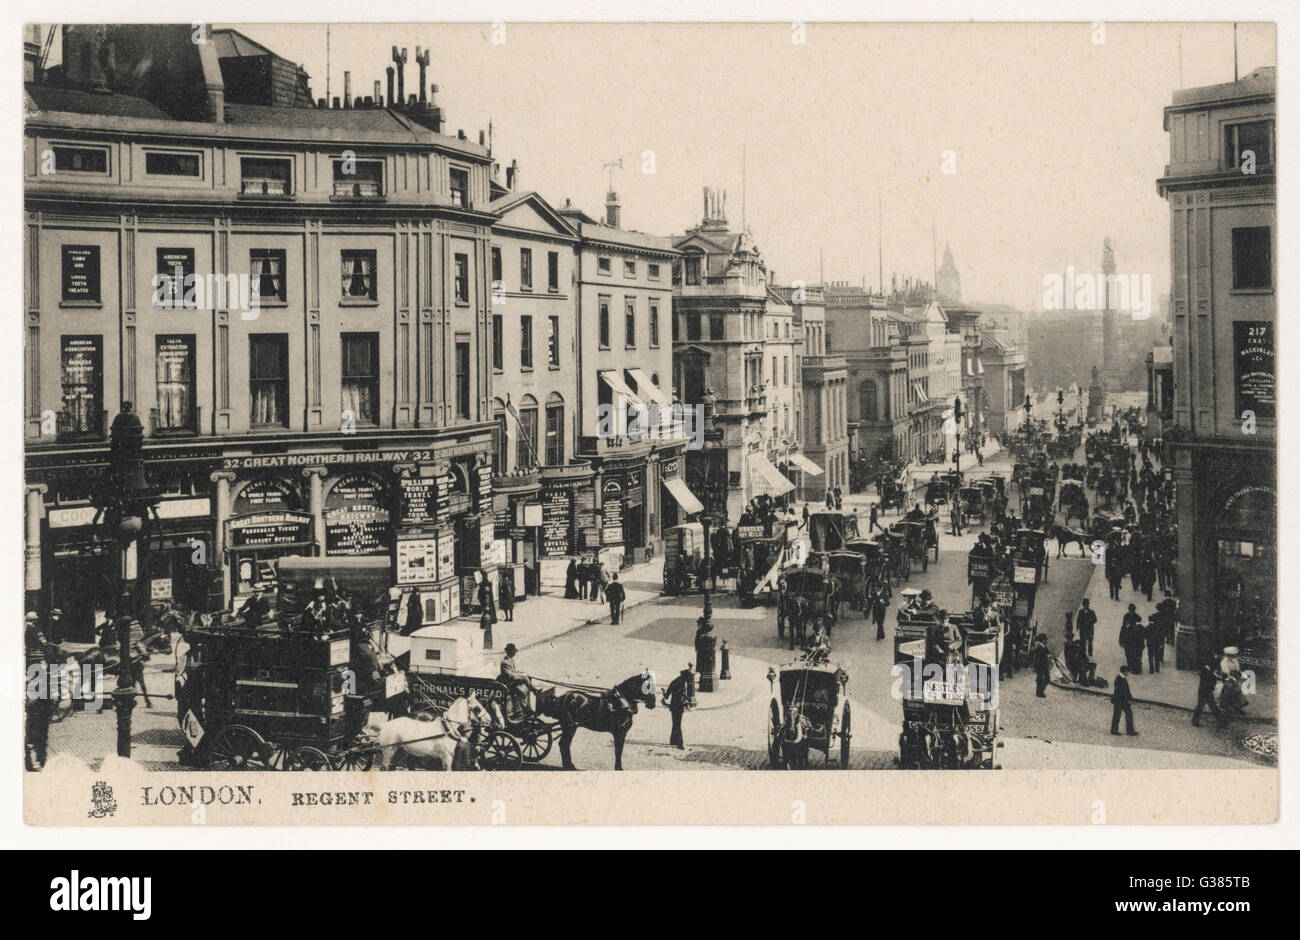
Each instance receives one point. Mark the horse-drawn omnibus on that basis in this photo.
(828, 531)
(807, 596)
(809, 710)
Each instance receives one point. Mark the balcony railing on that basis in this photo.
(189, 426)
(81, 425)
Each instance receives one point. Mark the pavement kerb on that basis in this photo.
(1073, 687)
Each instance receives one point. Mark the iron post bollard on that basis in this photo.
(124, 693)
(485, 622)
(705, 654)
(725, 671)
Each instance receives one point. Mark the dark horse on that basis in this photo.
(1064, 536)
(610, 712)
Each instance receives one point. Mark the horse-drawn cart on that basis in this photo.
(810, 709)
(807, 597)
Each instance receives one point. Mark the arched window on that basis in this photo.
(867, 405)
(555, 430)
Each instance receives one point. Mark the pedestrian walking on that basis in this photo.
(677, 698)
(880, 606)
(1122, 703)
(584, 580)
(506, 594)
(954, 513)
(1132, 639)
(571, 580)
(1042, 664)
(1208, 678)
(874, 522)
(600, 582)
(805, 515)
(1155, 637)
(616, 595)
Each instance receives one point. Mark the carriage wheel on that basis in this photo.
(500, 752)
(846, 734)
(774, 737)
(357, 759)
(309, 758)
(535, 741)
(238, 747)
(925, 560)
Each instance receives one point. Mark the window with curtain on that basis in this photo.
(266, 271)
(359, 275)
(364, 181)
(461, 281)
(174, 381)
(175, 277)
(264, 177)
(629, 323)
(554, 434)
(360, 363)
(268, 379)
(525, 455)
(526, 342)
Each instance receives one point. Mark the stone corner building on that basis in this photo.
(1221, 188)
(348, 414)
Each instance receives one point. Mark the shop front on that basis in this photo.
(517, 523)
(568, 521)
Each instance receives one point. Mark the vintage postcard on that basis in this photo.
(649, 423)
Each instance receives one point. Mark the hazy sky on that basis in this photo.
(1058, 140)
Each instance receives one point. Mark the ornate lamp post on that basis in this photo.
(705, 641)
(1029, 407)
(957, 415)
(124, 504)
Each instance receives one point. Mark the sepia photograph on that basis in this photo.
(424, 421)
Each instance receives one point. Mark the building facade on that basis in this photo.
(824, 375)
(1221, 187)
(294, 298)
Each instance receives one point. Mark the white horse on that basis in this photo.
(440, 739)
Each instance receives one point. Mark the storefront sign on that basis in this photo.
(356, 517)
(417, 561)
(342, 458)
(160, 589)
(1255, 368)
(611, 501)
(269, 529)
(73, 516)
(486, 539)
(81, 272)
(557, 509)
(266, 494)
(184, 508)
(418, 500)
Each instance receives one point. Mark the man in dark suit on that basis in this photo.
(677, 697)
(1132, 639)
(1042, 664)
(1208, 679)
(1085, 622)
(1122, 700)
(616, 595)
(1155, 634)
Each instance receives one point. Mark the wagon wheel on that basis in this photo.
(309, 758)
(237, 747)
(535, 741)
(846, 734)
(774, 737)
(360, 758)
(500, 751)
(277, 756)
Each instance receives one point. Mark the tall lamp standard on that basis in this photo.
(1029, 407)
(957, 415)
(705, 641)
(124, 503)
(1060, 410)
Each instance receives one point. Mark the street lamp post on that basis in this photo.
(124, 503)
(705, 641)
(957, 415)
(1029, 407)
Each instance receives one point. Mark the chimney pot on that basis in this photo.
(482, 138)
(391, 72)
(336, 101)
(347, 89)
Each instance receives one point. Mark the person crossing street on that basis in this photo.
(1122, 701)
(677, 698)
(616, 595)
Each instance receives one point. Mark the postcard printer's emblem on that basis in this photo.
(101, 800)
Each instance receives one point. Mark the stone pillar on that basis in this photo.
(35, 509)
(316, 504)
(223, 479)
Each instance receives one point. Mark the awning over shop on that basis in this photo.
(761, 467)
(648, 389)
(806, 465)
(685, 498)
(619, 386)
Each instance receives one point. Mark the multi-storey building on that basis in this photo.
(783, 347)
(1221, 186)
(629, 480)
(824, 374)
(295, 299)
(720, 290)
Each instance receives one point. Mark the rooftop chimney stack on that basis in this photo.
(400, 60)
(422, 60)
(347, 89)
(391, 99)
(379, 95)
(611, 209)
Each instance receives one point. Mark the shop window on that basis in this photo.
(1246, 579)
(360, 362)
(82, 382)
(268, 380)
(554, 435)
(1252, 258)
(266, 269)
(81, 274)
(174, 381)
(359, 283)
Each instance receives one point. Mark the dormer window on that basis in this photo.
(692, 271)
